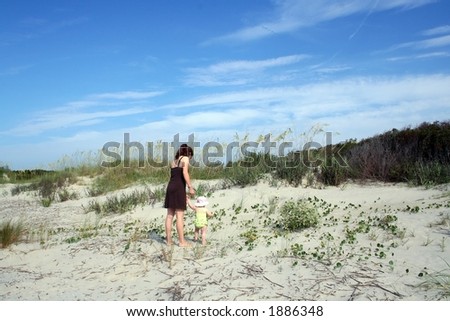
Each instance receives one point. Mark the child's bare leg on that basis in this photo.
(196, 233)
(204, 235)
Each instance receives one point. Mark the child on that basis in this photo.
(201, 217)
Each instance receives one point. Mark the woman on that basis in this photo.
(175, 200)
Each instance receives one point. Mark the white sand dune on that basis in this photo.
(378, 242)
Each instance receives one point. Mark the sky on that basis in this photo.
(76, 75)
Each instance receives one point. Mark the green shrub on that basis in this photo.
(250, 236)
(297, 215)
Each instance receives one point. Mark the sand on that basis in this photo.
(374, 241)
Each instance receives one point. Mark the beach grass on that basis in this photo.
(10, 233)
(417, 156)
(438, 280)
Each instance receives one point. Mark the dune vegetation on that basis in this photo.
(334, 218)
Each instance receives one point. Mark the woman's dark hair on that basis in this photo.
(184, 150)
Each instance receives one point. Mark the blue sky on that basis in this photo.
(75, 75)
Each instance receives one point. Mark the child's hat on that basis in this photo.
(201, 201)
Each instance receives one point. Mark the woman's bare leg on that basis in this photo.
(168, 225)
(180, 228)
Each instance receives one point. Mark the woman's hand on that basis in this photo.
(191, 191)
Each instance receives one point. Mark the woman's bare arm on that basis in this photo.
(187, 178)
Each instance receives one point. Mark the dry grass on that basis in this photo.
(10, 233)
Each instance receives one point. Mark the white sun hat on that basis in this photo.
(201, 201)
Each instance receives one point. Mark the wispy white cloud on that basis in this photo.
(437, 31)
(331, 69)
(438, 38)
(243, 97)
(435, 42)
(90, 111)
(62, 119)
(356, 107)
(430, 55)
(217, 119)
(265, 105)
(237, 71)
(127, 95)
(251, 65)
(291, 15)
(421, 97)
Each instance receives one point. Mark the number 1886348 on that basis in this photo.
(295, 311)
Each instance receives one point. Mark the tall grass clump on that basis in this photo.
(248, 170)
(4, 174)
(237, 175)
(428, 174)
(25, 176)
(80, 163)
(10, 233)
(119, 204)
(334, 174)
(120, 177)
(207, 172)
(290, 169)
(111, 180)
(50, 186)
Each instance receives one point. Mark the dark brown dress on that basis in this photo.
(176, 189)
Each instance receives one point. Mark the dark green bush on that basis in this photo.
(418, 155)
(333, 175)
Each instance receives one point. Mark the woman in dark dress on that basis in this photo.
(175, 200)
